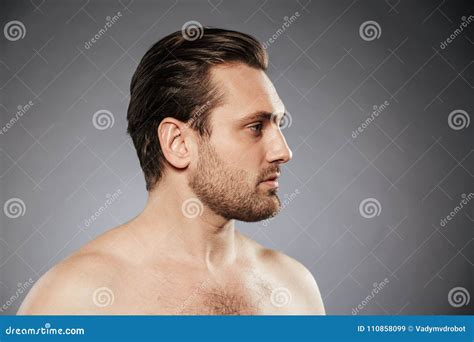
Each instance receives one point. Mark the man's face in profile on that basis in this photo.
(237, 165)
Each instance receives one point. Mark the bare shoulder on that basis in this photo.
(71, 286)
(293, 276)
(298, 279)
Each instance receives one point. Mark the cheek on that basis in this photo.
(224, 141)
(239, 150)
(232, 146)
(248, 168)
(246, 158)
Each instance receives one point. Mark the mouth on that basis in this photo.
(271, 181)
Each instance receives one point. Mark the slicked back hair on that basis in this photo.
(173, 80)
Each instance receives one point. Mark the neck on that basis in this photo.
(192, 232)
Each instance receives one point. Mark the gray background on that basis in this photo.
(408, 158)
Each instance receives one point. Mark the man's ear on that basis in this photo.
(174, 143)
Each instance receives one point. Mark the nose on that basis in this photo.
(278, 151)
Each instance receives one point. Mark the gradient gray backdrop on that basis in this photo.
(409, 158)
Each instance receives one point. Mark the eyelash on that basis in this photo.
(260, 124)
(257, 125)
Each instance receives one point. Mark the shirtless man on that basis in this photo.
(205, 120)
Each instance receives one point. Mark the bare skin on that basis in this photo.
(167, 262)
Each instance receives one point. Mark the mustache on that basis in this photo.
(270, 171)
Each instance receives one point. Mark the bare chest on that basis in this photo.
(234, 296)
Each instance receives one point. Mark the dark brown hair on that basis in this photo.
(173, 80)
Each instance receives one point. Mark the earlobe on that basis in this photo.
(173, 143)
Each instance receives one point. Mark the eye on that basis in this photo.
(256, 128)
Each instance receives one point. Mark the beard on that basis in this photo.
(230, 192)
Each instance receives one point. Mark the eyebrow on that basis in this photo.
(260, 115)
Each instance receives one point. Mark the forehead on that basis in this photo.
(245, 90)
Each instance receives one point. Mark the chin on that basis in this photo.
(271, 210)
(261, 214)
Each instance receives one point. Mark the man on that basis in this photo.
(204, 118)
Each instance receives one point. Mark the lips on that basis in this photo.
(273, 177)
(272, 180)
